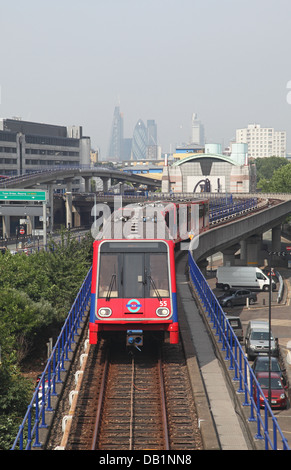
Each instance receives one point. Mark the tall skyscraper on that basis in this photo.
(115, 151)
(152, 147)
(152, 132)
(139, 141)
(142, 146)
(144, 141)
(197, 131)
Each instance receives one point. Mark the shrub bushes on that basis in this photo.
(37, 292)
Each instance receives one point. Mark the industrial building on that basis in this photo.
(29, 146)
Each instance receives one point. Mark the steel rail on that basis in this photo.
(163, 403)
(100, 403)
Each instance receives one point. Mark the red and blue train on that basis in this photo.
(133, 276)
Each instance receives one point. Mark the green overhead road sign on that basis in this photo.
(22, 195)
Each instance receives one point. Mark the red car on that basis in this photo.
(278, 394)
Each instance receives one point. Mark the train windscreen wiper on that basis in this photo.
(113, 279)
(155, 287)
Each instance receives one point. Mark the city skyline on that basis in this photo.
(69, 63)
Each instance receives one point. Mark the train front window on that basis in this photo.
(158, 277)
(108, 275)
(133, 274)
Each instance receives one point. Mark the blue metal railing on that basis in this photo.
(238, 363)
(35, 417)
(224, 207)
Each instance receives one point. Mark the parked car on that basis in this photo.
(261, 364)
(237, 297)
(235, 323)
(278, 395)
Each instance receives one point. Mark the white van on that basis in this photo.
(232, 277)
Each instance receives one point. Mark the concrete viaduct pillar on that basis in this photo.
(251, 251)
(69, 208)
(87, 184)
(105, 182)
(229, 255)
(6, 225)
(276, 238)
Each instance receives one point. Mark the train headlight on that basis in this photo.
(162, 312)
(104, 312)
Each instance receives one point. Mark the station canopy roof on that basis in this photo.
(202, 156)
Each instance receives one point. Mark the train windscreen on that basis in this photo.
(133, 274)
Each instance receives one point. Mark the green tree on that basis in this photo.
(266, 166)
(281, 180)
(37, 292)
(15, 393)
(21, 321)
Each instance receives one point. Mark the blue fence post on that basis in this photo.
(36, 442)
(235, 378)
(231, 367)
(246, 402)
(240, 388)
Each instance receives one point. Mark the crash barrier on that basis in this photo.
(227, 207)
(35, 417)
(281, 287)
(238, 363)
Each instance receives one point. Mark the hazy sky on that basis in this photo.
(70, 62)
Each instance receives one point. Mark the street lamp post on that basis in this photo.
(270, 316)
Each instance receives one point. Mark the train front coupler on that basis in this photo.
(134, 338)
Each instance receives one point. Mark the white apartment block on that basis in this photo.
(262, 141)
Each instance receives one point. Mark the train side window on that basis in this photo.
(108, 275)
(159, 276)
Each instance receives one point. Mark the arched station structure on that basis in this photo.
(209, 172)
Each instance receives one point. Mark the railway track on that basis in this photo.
(139, 401)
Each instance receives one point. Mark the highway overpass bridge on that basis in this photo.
(63, 206)
(68, 174)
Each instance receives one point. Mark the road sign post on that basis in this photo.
(27, 195)
(23, 195)
(44, 223)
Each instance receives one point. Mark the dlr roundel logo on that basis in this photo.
(133, 305)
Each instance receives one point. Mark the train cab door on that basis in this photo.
(133, 283)
(145, 283)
